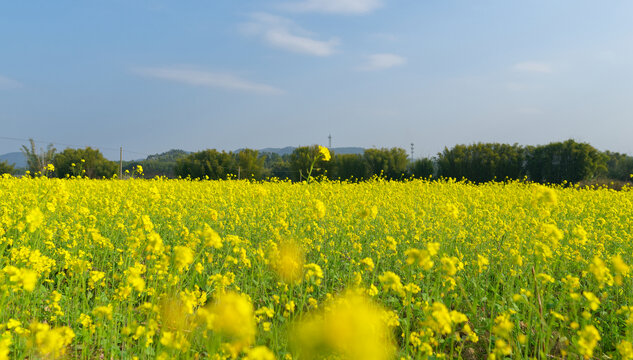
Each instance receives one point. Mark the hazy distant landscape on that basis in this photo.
(568, 162)
(18, 159)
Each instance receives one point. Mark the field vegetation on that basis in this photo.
(380, 269)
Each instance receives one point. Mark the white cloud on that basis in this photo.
(7, 83)
(348, 7)
(533, 67)
(382, 61)
(282, 33)
(206, 78)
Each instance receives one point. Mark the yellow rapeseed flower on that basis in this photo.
(34, 219)
(103, 311)
(50, 342)
(593, 300)
(287, 261)
(314, 273)
(391, 282)
(232, 317)
(5, 343)
(601, 272)
(259, 353)
(482, 263)
(350, 326)
(324, 153)
(183, 257)
(419, 257)
(620, 268)
(318, 209)
(369, 263)
(22, 278)
(441, 319)
(134, 278)
(587, 341)
(211, 237)
(625, 349)
(503, 326)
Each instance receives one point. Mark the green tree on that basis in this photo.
(277, 166)
(6, 168)
(250, 164)
(422, 168)
(349, 167)
(208, 163)
(482, 162)
(389, 163)
(301, 161)
(619, 166)
(565, 161)
(37, 160)
(84, 162)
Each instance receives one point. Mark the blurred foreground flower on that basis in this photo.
(287, 260)
(232, 318)
(50, 343)
(350, 326)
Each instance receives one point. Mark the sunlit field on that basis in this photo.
(101, 269)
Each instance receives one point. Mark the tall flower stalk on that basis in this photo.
(323, 154)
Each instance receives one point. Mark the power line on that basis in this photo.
(120, 149)
(71, 145)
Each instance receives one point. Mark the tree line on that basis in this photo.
(557, 162)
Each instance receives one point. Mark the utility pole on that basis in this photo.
(121, 162)
(329, 137)
(239, 173)
(411, 151)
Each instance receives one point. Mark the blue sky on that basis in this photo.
(226, 74)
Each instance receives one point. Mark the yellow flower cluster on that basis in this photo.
(277, 270)
(350, 326)
(50, 342)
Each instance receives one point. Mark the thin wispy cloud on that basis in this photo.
(382, 61)
(7, 83)
(533, 67)
(284, 34)
(206, 79)
(345, 7)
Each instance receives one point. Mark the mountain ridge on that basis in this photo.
(16, 158)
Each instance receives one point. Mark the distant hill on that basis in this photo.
(171, 155)
(162, 164)
(348, 150)
(280, 151)
(16, 159)
(289, 149)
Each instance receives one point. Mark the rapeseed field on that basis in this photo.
(144, 269)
